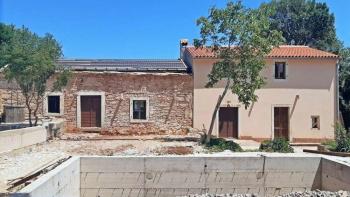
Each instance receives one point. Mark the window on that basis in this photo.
(280, 70)
(53, 104)
(139, 109)
(315, 122)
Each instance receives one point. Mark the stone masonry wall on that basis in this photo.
(170, 101)
(169, 94)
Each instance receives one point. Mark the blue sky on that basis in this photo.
(127, 29)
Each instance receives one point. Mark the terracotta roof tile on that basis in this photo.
(283, 51)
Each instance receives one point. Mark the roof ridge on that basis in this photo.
(87, 59)
(283, 51)
(296, 46)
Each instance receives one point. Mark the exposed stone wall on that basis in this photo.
(10, 94)
(169, 94)
(170, 101)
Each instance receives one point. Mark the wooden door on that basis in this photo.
(281, 122)
(90, 111)
(228, 122)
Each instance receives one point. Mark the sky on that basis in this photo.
(128, 29)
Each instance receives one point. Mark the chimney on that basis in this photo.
(183, 45)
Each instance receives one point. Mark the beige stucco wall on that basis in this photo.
(314, 80)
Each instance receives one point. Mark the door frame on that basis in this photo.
(103, 109)
(273, 120)
(218, 123)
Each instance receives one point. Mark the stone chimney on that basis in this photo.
(183, 45)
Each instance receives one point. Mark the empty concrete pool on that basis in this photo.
(183, 175)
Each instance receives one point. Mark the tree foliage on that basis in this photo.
(241, 38)
(30, 61)
(344, 85)
(305, 22)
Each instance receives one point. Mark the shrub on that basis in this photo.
(276, 145)
(330, 145)
(220, 144)
(342, 139)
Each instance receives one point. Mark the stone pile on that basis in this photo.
(318, 193)
(315, 193)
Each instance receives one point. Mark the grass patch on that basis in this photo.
(220, 144)
(280, 145)
(330, 145)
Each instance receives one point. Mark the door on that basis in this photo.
(281, 122)
(90, 111)
(228, 122)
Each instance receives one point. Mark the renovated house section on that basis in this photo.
(298, 101)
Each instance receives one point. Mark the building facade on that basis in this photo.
(135, 97)
(298, 101)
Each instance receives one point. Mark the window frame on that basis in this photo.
(285, 70)
(54, 98)
(132, 99)
(318, 122)
(46, 104)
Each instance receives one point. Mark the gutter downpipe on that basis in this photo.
(337, 92)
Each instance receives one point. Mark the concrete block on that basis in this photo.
(238, 164)
(298, 164)
(174, 164)
(19, 138)
(174, 180)
(112, 164)
(63, 181)
(113, 180)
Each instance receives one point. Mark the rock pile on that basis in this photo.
(318, 193)
(315, 193)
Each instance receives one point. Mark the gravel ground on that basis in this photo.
(316, 193)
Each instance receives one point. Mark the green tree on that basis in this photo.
(305, 22)
(344, 85)
(241, 38)
(310, 23)
(30, 62)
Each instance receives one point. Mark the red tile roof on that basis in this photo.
(283, 51)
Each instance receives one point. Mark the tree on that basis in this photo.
(240, 38)
(305, 22)
(344, 86)
(310, 23)
(30, 61)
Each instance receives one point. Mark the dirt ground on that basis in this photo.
(21, 162)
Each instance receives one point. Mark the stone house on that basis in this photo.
(131, 97)
(135, 97)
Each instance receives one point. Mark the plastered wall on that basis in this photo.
(309, 90)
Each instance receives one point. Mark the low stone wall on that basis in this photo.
(19, 138)
(63, 181)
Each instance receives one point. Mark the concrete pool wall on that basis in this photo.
(19, 138)
(182, 175)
